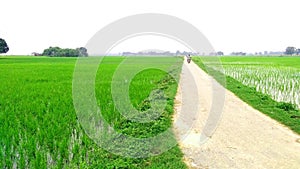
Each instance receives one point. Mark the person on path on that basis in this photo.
(189, 58)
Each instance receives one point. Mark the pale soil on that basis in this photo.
(244, 137)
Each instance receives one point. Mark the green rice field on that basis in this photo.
(278, 77)
(39, 127)
(269, 84)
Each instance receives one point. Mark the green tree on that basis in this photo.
(52, 51)
(220, 53)
(290, 50)
(82, 51)
(58, 52)
(3, 46)
(298, 51)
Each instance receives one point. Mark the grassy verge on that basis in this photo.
(141, 85)
(284, 113)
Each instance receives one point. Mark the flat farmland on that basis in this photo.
(269, 84)
(39, 127)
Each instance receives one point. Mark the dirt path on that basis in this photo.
(244, 138)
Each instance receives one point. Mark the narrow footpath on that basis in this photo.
(243, 138)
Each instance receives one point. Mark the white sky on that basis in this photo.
(230, 25)
(149, 42)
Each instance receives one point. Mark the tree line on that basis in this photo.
(51, 51)
(67, 52)
(82, 52)
(3, 46)
(292, 51)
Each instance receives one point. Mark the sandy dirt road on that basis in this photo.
(244, 137)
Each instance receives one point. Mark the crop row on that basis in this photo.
(280, 82)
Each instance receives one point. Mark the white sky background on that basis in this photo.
(230, 25)
(149, 42)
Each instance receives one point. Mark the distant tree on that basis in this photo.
(290, 50)
(58, 52)
(298, 51)
(36, 54)
(238, 53)
(220, 53)
(52, 51)
(3, 46)
(82, 51)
